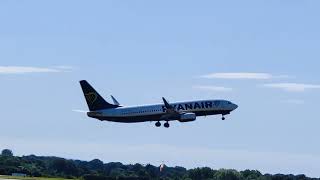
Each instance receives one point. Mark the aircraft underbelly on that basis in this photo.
(132, 119)
(156, 117)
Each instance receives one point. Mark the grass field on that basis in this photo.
(32, 178)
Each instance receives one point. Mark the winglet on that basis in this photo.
(115, 102)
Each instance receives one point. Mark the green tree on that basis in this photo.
(96, 164)
(201, 173)
(7, 152)
(225, 174)
(251, 174)
(64, 167)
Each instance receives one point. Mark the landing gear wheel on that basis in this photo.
(223, 118)
(158, 124)
(166, 125)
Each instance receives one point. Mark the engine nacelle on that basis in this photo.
(187, 117)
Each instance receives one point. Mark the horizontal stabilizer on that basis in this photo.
(79, 111)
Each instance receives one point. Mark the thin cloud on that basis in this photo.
(214, 88)
(64, 67)
(293, 101)
(292, 87)
(30, 69)
(243, 75)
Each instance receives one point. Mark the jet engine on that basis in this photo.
(187, 117)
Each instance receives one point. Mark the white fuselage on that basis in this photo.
(158, 112)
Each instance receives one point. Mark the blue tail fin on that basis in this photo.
(94, 100)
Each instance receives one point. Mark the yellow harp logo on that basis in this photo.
(91, 97)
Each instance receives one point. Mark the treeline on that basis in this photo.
(38, 166)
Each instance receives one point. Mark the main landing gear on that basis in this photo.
(158, 124)
(166, 125)
(223, 118)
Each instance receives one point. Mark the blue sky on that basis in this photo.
(262, 55)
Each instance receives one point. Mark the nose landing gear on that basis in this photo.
(223, 118)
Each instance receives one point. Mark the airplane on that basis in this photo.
(182, 111)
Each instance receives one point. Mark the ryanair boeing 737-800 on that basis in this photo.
(181, 111)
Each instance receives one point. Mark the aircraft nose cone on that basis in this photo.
(235, 106)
